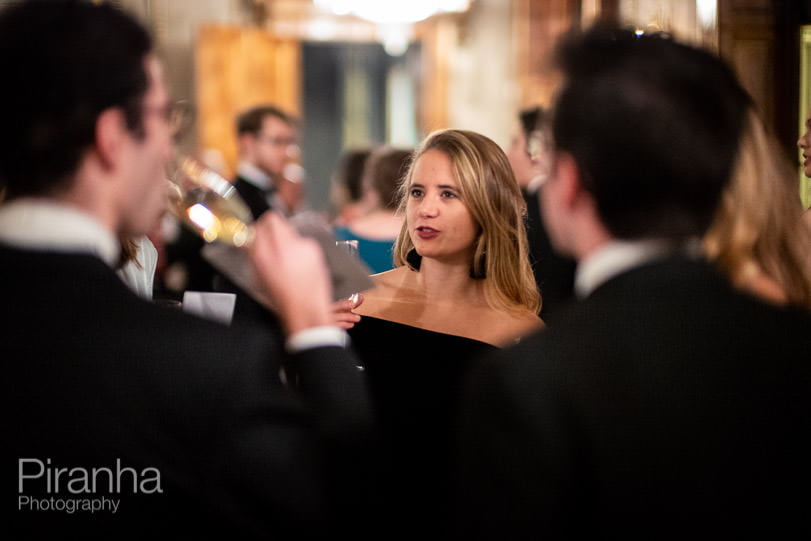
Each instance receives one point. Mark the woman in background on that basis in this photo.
(377, 229)
(345, 191)
(758, 238)
(136, 265)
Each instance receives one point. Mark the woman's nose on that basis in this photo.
(428, 208)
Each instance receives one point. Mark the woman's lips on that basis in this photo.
(426, 233)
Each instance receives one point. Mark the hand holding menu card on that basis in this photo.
(207, 203)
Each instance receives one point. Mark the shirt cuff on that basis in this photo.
(317, 337)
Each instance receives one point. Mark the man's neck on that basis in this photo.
(53, 225)
(614, 257)
(255, 175)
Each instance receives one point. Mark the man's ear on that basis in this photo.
(111, 136)
(568, 178)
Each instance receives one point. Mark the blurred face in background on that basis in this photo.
(273, 147)
(520, 161)
(530, 157)
(804, 142)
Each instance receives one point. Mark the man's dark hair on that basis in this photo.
(654, 127)
(531, 120)
(250, 121)
(65, 61)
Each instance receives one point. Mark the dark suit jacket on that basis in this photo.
(663, 405)
(246, 309)
(554, 273)
(94, 375)
(253, 196)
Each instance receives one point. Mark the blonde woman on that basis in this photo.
(758, 238)
(462, 286)
(460, 257)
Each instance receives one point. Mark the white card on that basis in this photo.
(218, 307)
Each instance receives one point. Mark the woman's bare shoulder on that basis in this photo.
(391, 278)
(504, 328)
(391, 288)
(387, 284)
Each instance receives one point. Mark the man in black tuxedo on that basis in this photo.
(267, 139)
(663, 404)
(122, 419)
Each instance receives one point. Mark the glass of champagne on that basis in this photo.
(205, 201)
(209, 204)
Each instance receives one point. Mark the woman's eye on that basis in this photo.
(416, 192)
(448, 194)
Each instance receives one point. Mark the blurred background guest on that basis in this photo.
(377, 229)
(804, 143)
(757, 237)
(530, 158)
(346, 189)
(137, 263)
(268, 149)
(267, 140)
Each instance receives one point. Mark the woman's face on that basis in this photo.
(439, 223)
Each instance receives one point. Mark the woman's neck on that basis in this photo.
(447, 282)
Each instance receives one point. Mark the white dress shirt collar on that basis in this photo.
(254, 175)
(46, 225)
(536, 182)
(617, 257)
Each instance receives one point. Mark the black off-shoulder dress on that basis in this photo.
(415, 377)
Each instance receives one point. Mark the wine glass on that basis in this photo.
(205, 201)
(350, 247)
(208, 203)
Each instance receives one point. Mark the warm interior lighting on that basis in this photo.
(393, 11)
(393, 18)
(201, 216)
(707, 11)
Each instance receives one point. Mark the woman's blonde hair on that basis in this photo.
(759, 224)
(489, 191)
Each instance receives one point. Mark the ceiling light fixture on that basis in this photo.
(393, 11)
